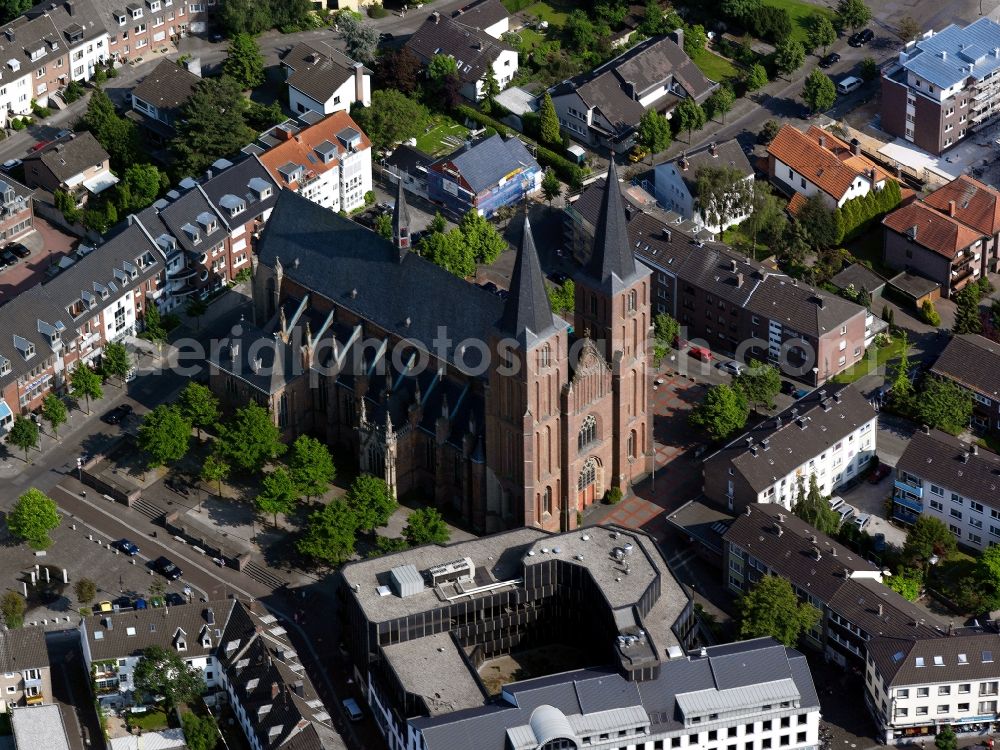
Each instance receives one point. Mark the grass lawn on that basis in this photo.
(862, 368)
(990, 442)
(555, 13)
(715, 67)
(737, 238)
(530, 39)
(149, 721)
(444, 136)
(800, 11)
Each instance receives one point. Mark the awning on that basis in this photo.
(5, 412)
(101, 182)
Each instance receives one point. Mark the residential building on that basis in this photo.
(488, 15)
(324, 81)
(484, 176)
(159, 98)
(854, 604)
(817, 162)
(454, 427)
(50, 327)
(602, 108)
(473, 49)
(914, 687)
(38, 727)
(238, 649)
(16, 212)
(726, 301)
(85, 37)
(329, 163)
(829, 434)
(25, 676)
(411, 617)
(976, 205)
(943, 87)
(138, 27)
(677, 182)
(77, 165)
(955, 482)
(758, 693)
(973, 362)
(412, 165)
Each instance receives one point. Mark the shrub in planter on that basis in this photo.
(613, 496)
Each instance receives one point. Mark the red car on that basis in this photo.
(700, 353)
(880, 473)
(39, 146)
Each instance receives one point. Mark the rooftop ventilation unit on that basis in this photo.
(406, 580)
(458, 570)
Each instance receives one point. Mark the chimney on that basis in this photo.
(300, 688)
(974, 449)
(193, 65)
(821, 302)
(678, 36)
(880, 610)
(781, 518)
(9, 34)
(951, 209)
(359, 82)
(927, 429)
(778, 530)
(739, 281)
(286, 134)
(822, 141)
(817, 554)
(965, 457)
(777, 423)
(732, 265)
(69, 7)
(666, 234)
(856, 147)
(683, 162)
(274, 690)
(436, 17)
(713, 149)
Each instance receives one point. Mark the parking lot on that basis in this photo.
(47, 245)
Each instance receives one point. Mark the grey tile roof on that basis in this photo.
(360, 271)
(318, 71)
(612, 261)
(972, 361)
(246, 180)
(409, 160)
(84, 23)
(897, 657)
(23, 648)
(878, 610)
(945, 461)
(652, 63)
(472, 48)
(604, 93)
(527, 315)
(167, 87)
(860, 277)
(944, 58)
(486, 162)
(71, 156)
(726, 154)
(186, 213)
(482, 13)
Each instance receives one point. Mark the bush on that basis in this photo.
(929, 315)
(100, 76)
(613, 496)
(370, 195)
(72, 92)
(377, 11)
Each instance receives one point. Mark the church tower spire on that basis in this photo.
(401, 221)
(612, 262)
(527, 315)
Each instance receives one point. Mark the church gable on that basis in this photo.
(591, 379)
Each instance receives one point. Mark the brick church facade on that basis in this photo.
(494, 410)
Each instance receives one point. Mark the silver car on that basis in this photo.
(845, 511)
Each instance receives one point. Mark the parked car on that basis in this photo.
(173, 599)
(19, 250)
(122, 602)
(39, 146)
(861, 38)
(11, 164)
(878, 543)
(733, 367)
(880, 473)
(861, 520)
(790, 389)
(167, 568)
(105, 606)
(118, 414)
(352, 709)
(215, 37)
(8, 257)
(700, 353)
(832, 59)
(126, 547)
(835, 502)
(845, 511)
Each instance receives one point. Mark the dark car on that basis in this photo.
(790, 389)
(122, 602)
(215, 37)
(126, 547)
(173, 599)
(880, 473)
(118, 414)
(861, 38)
(167, 568)
(386, 36)
(19, 250)
(8, 257)
(832, 59)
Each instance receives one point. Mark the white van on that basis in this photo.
(849, 84)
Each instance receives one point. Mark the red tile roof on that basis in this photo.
(816, 163)
(931, 229)
(299, 146)
(977, 205)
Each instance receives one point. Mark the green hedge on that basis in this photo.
(858, 213)
(566, 170)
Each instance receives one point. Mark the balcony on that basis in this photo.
(33, 700)
(899, 484)
(908, 502)
(904, 516)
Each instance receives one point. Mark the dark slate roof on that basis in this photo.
(71, 156)
(409, 160)
(612, 261)
(527, 315)
(23, 648)
(590, 691)
(652, 63)
(726, 154)
(168, 86)
(184, 212)
(878, 610)
(829, 414)
(896, 658)
(360, 271)
(245, 180)
(913, 284)
(972, 361)
(472, 48)
(860, 277)
(946, 461)
(318, 73)
(482, 13)
(485, 163)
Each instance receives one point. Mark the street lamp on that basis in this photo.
(79, 467)
(652, 454)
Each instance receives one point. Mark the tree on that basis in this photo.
(756, 77)
(724, 193)
(383, 226)
(967, 318)
(823, 226)
(907, 582)
(767, 216)
(153, 324)
(200, 732)
(909, 29)
(723, 411)
(244, 63)
(371, 502)
(400, 69)
(360, 39)
(392, 118)
(483, 240)
(927, 538)
(562, 299)
(768, 132)
(789, 56)
(54, 412)
(139, 187)
(211, 125)
(814, 509)
(115, 361)
(654, 132)
(548, 122)
(251, 439)
(24, 435)
(902, 388)
(85, 590)
(215, 469)
(491, 89)
(721, 101)
(869, 68)
(818, 91)
(161, 672)
(945, 405)
(12, 607)
(426, 526)
(946, 739)
(772, 23)
(689, 116)
(551, 187)
(31, 519)
(440, 67)
(695, 40)
(450, 251)
(741, 10)
(821, 32)
(853, 14)
(245, 17)
(11, 9)
(771, 608)
(199, 406)
(116, 134)
(278, 494)
(85, 382)
(196, 307)
(329, 535)
(929, 314)
(311, 466)
(164, 434)
(759, 382)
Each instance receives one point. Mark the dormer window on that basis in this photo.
(36, 54)
(207, 221)
(192, 232)
(4, 366)
(130, 269)
(101, 290)
(233, 204)
(136, 13)
(154, 5)
(260, 187)
(25, 347)
(122, 19)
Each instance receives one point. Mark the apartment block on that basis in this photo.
(944, 86)
(973, 362)
(25, 676)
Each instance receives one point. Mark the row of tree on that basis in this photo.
(725, 409)
(458, 250)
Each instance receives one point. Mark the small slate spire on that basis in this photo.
(527, 314)
(612, 254)
(401, 221)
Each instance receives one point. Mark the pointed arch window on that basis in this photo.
(544, 356)
(588, 432)
(547, 500)
(632, 300)
(588, 474)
